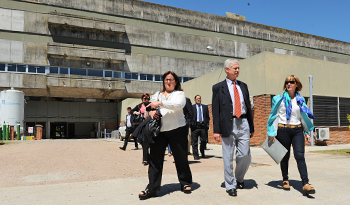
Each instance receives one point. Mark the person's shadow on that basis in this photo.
(169, 188)
(297, 185)
(248, 184)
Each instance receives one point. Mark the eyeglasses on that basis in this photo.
(171, 80)
(291, 82)
(146, 98)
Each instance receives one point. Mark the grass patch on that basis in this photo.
(343, 152)
(4, 142)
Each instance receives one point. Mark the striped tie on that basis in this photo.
(238, 111)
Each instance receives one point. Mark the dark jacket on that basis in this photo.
(138, 107)
(188, 112)
(223, 109)
(206, 117)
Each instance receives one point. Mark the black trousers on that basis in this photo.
(203, 133)
(128, 132)
(145, 153)
(177, 139)
(293, 136)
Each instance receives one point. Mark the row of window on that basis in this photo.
(84, 72)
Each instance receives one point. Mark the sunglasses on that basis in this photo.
(146, 98)
(291, 82)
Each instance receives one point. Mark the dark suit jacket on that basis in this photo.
(206, 117)
(188, 112)
(223, 109)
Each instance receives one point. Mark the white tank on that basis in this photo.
(12, 107)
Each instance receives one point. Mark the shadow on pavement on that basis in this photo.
(248, 184)
(297, 185)
(169, 188)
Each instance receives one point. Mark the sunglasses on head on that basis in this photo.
(291, 82)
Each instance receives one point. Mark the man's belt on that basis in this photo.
(289, 126)
(200, 123)
(242, 116)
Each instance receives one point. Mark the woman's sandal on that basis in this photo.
(185, 189)
(145, 163)
(147, 194)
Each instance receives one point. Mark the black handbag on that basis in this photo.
(155, 124)
(137, 119)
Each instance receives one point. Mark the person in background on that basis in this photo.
(288, 122)
(173, 132)
(128, 131)
(200, 127)
(188, 112)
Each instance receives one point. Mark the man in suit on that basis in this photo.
(128, 131)
(200, 126)
(188, 112)
(233, 124)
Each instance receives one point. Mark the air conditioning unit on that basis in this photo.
(322, 134)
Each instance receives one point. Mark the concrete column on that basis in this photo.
(48, 129)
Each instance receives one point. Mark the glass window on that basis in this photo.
(31, 69)
(117, 74)
(98, 73)
(53, 69)
(2, 66)
(64, 70)
(150, 77)
(40, 69)
(21, 68)
(108, 74)
(185, 79)
(135, 76)
(157, 78)
(181, 79)
(77, 71)
(127, 76)
(143, 76)
(11, 67)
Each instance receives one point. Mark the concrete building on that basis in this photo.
(77, 61)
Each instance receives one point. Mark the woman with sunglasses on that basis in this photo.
(288, 122)
(140, 109)
(173, 131)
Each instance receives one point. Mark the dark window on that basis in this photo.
(31, 69)
(127, 76)
(135, 76)
(117, 74)
(149, 77)
(143, 76)
(108, 74)
(325, 111)
(11, 67)
(53, 69)
(77, 71)
(2, 66)
(344, 108)
(98, 73)
(21, 68)
(185, 79)
(157, 78)
(40, 69)
(63, 70)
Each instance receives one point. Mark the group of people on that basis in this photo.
(233, 125)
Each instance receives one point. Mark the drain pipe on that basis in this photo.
(311, 107)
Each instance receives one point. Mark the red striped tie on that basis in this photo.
(238, 111)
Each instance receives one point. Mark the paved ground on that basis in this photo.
(96, 171)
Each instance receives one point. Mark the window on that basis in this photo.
(31, 69)
(325, 111)
(117, 74)
(64, 70)
(40, 69)
(135, 76)
(2, 66)
(127, 76)
(149, 77)
(108, 74)
(344, 108)
(11, 67)
(185, 79)
(157, 78)
(21, 68)
(98, 73)
(53, 69)
(77, 71)
(143, 76)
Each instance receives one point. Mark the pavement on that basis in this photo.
(329, 174)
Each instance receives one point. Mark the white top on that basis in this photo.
(230, 88)
(128, 123)
(295, 116)
(172, 110)
(201, 108)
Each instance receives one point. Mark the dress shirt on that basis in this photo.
(295, 115)
(128, 123)
(201, 108)
(230, 88)
(172, 110)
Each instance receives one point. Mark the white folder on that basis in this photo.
(275, 149)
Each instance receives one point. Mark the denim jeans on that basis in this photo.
(293, 136)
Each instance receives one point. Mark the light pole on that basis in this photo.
(209, 48)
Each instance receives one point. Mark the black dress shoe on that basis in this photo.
(203, 155)
(240, 185)
(136, 148)
(232, 192)
(196, 158)
(122, 148)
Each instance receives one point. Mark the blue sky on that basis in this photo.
(330, 19)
